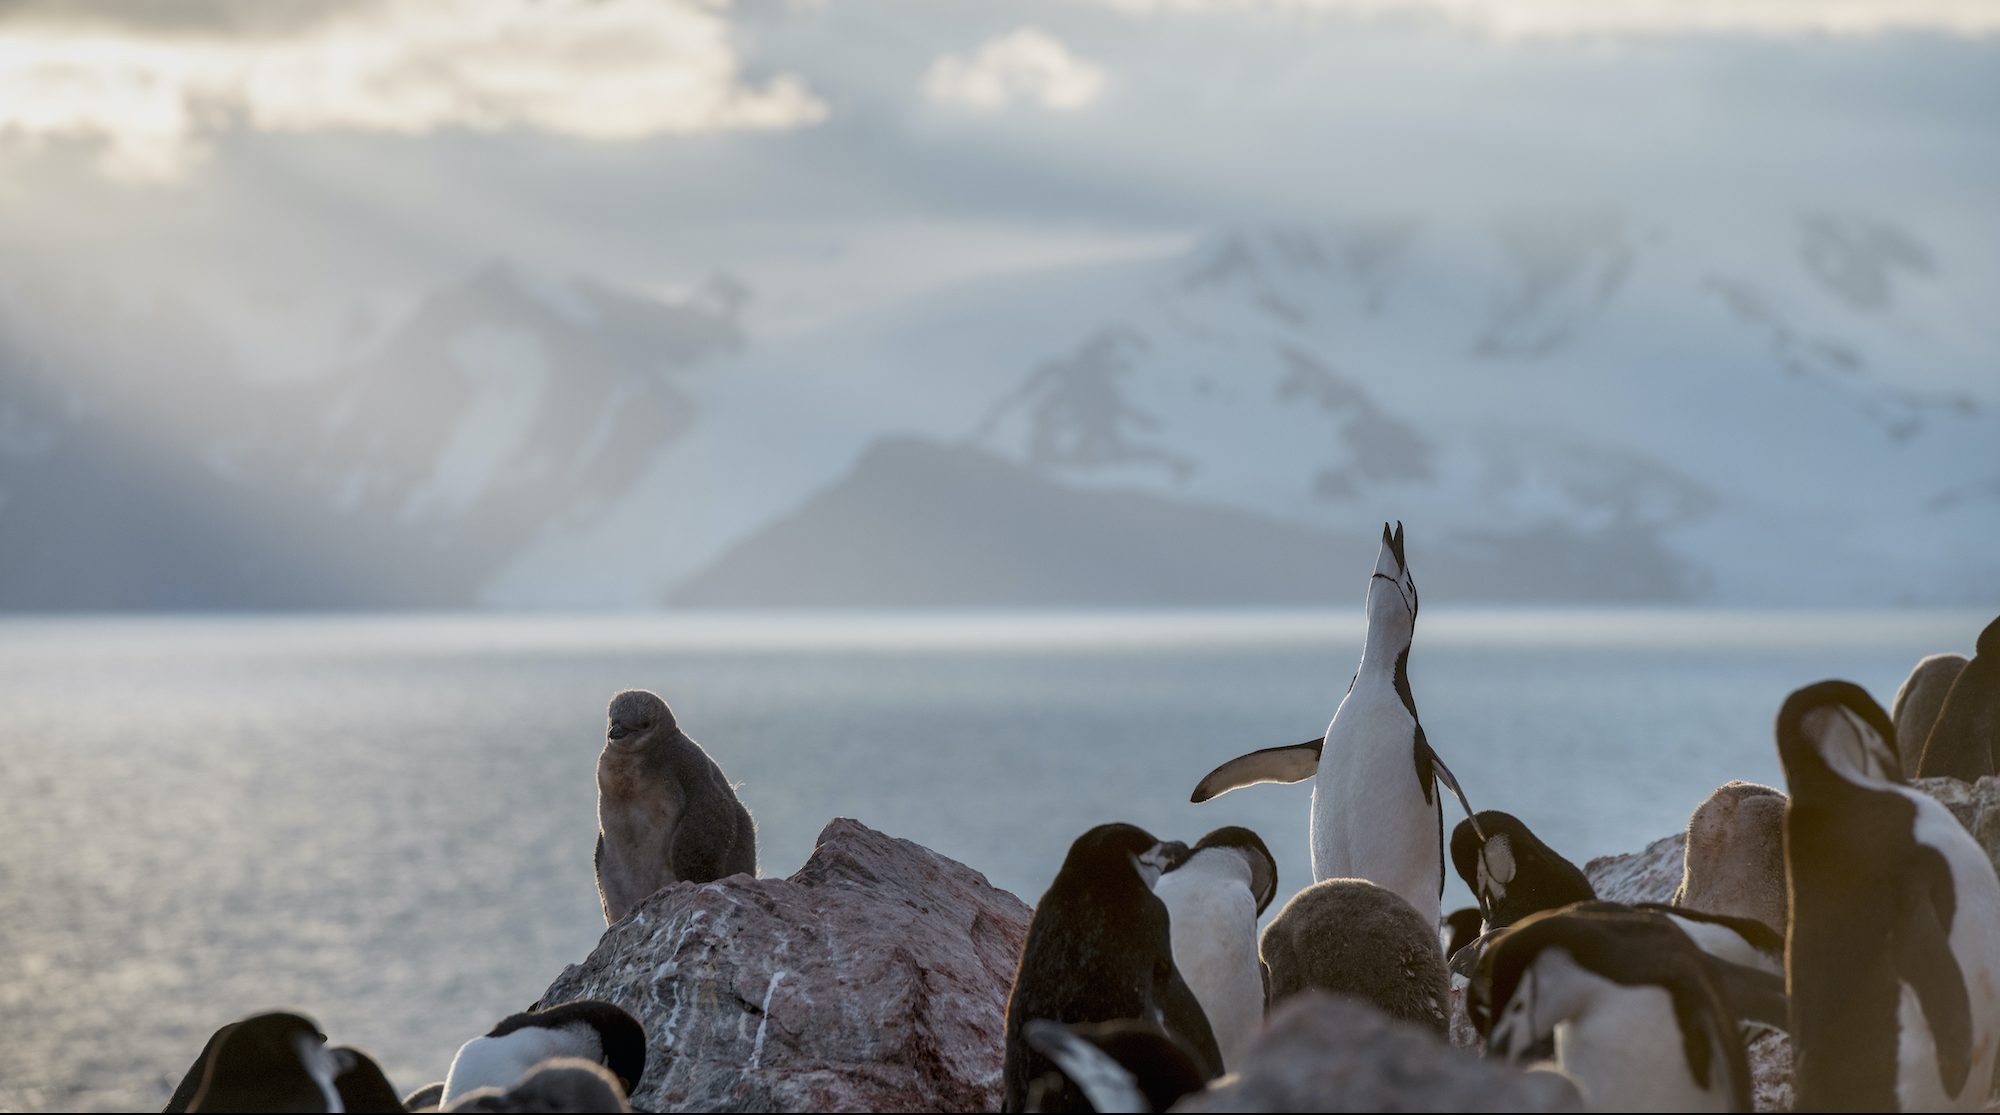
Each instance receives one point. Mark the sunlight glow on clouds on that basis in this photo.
(1542, 19)
(1025, 65)
(606, 70)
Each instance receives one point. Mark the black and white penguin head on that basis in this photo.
(1247, 844)
(272, 1062)
(635, 718)
(1392, 593)
(1106, 851)
(597, 1031)
(1835, 728)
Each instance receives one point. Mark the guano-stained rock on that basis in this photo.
(875, 978)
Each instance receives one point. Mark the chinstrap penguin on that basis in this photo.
(596, 1031)
(1636, 1018)
(1893, 955)
(1964, 742)
(1376, 813)
(1213, 898)
(1099, 949)
(268, 1062)
(1352, 937)
(665, 813)
(1511, 871)
(1124, 1066)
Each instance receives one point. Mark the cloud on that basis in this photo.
(1027, 64)
(604, 70)
(1544, 19)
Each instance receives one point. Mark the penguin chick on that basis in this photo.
(1918, 701)
(665, 813)
(1734, 864)
(1355, 938)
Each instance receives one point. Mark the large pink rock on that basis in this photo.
(876, 978)
(1651, 875)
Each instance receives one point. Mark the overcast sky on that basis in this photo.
(794, 141)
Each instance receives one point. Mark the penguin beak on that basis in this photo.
(618, 731)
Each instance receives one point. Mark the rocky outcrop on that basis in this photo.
(1646, 876)
(1975, 804)
(876, 978)
(1324, 1052)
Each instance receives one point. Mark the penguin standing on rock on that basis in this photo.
(1893, 957)
(665, 813)
(1637, 1020)
(1099, 949)
(1376, 813)
(1213, 900)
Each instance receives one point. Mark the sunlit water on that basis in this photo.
(387, 822)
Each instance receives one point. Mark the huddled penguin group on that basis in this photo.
(1849, 910)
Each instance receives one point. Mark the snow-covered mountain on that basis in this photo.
(1801, 410)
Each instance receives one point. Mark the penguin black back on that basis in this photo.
(1870, 910)
(1099, 949)
(268, 1062)
(1512, 872)
(1631, 948)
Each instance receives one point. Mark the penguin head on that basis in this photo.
(636, 717)
(619, 1039)
(1527, 980)
(1112, 853)
(1392, 593)
(271, 1062)
(1835, 729)
(1989, 640)
(1263, 866)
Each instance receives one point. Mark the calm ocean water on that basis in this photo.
(387, 822)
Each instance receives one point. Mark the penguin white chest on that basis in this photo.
(1369, 817)
(1975, 944)
(1625, 1051)
(1213, 919)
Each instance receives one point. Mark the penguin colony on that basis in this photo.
(1849, 910)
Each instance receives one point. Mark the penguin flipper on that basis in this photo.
(1105, 1082)
(1753, 996)
(1443, 774)
(1921, 946)
(1292, 763)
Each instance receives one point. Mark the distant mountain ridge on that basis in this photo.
(1586, 407)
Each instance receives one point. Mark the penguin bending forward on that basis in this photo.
(1637, 1019)
(1099, 949)
(665, 813)
(596, 1031)
(1376, 814)
(1510, 871)
(1893, 956)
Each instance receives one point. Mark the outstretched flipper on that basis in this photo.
(1921, 947)
(1443, 774)
(1293, 763)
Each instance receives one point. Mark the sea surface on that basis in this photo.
(386, 822)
